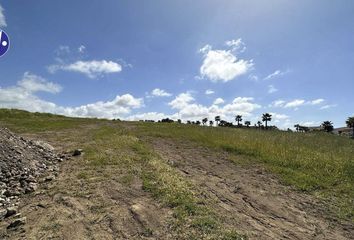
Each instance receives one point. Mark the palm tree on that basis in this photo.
(248, 123)
(217, 120)
(350, 124)
(205, 120)
(259, 123)
(211, 123)
(238, 119)
(327, 126)
(266, 117)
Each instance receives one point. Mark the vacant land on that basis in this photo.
(172, 181)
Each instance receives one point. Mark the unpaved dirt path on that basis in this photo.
(250, 199)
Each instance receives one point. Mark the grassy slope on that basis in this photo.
(109, 145)
(321, 164)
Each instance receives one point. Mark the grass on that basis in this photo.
(111, 146)
(318, 163)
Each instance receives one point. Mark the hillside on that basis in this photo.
(139, 180)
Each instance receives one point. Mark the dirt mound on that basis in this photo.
(22, 163)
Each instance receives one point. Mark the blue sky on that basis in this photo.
(181, 59)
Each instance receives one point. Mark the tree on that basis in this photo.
(179, 120)
(205, 120)
(327, 126)
(247, 123)
(297, 127)
(211, 123)
(350, 124)
(259, 123)
(238, 119)
(197, 122)
(266, 117)
(217, 120)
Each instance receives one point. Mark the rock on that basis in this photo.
(31, 187)
(10, 212)
(22, 163)
(17, 222)
(77, 152)
(49, 178)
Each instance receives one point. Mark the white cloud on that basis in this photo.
(23, 96)
(294, 103)
(91, 69)
(277, 117)
(118, 107)
(236, 44)
(181, 101)
(2, 17)
(276, 73)
(188, 109)
(151, 116)
(328, 106)
(272, 89)
(160, 93)
(317, 101)
(34, 83)
(222, 65)
(209, 92)
(241, 105)
(218, 101)
(277, 103)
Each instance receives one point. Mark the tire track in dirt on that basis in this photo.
(249, 199)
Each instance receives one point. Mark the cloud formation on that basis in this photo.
(218, 101)
(276, 73)
(23, 96)
(209, 92)
(223, 65)
(34, 83)
(157, 92)
(91, 69)
(188, 109)
(296, 103)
